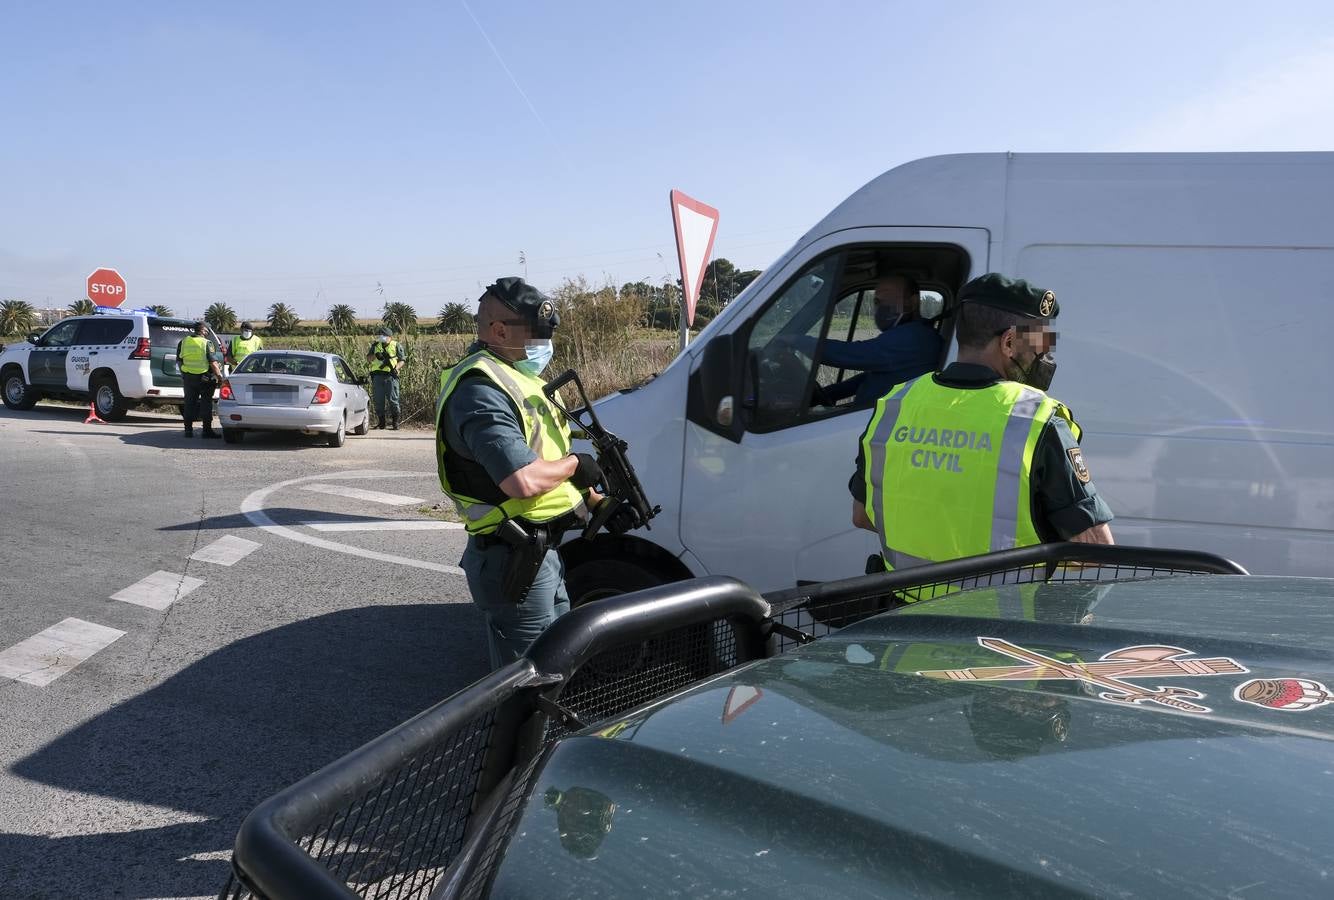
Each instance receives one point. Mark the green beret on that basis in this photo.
(1012, 295)
(521, 297)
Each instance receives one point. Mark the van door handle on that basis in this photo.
(92, 352)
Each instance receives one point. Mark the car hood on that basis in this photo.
(1134, 738)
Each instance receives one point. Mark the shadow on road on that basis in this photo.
(230, 730)
(259, 440)
(283, 515)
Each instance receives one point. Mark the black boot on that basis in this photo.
(189, 429)
(393, 424)
(379, 425)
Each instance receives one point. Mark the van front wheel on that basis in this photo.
(598, 579)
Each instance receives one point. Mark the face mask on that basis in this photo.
(1039, 373)
(537, 355)
(384, 339)
(886, 317)
(245, 335)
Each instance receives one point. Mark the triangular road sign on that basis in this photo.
(696, 226)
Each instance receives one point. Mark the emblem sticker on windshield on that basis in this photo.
(1288, 694)
(1109, 673)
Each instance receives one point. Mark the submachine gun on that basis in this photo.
(626, 506)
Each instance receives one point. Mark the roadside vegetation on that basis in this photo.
(616, 337)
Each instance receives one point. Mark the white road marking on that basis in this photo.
(159, 590)
(226, 551)
(47, 655)
(385, 525)
(253, 509)
(359, 494)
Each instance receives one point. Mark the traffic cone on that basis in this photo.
(93, 417)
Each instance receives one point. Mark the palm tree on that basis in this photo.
(17, 317)
(342, 318)
(162, 310)
(455, 319)
(282, 319)
(400, 317)
(220, 317)
(82, 307)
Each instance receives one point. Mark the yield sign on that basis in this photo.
(696, 226)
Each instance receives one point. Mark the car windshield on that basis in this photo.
(283, 364)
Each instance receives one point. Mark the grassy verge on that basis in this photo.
(623, 360)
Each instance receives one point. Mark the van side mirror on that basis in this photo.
(713, 400)
(34, 337)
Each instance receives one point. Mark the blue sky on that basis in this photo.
(255, 152)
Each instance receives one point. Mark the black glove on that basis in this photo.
(621, 521)
(588, 473)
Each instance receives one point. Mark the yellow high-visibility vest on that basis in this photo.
(545, 429)
(195, 353)
(947, 469)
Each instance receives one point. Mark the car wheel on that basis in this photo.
(232, 435)
(339, 437)
(108, 400)
(18, 394)
(365, 426)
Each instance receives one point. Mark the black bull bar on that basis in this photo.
(424, 810)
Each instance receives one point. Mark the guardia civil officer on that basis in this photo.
(978, 457)
(385, 357)
(243, 344)
(503, 456)
(199, 360)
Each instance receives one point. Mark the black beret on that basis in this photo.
(1012, 295)
(521, 297)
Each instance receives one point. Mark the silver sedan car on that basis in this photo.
(293, 390)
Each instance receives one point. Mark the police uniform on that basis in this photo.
(492, 420)
(385, 361)
(193, 355)
(239, 348)
(965, 462)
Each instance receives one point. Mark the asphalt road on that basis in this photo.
(278, 628)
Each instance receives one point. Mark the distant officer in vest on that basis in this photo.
(503, 456)
(243, 344)
(978, 457)
(385, 358)
(199, 360)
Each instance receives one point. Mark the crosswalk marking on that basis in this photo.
(385, 525)
(47, 655)
(226, 551)
(159, 590)
(359, 494)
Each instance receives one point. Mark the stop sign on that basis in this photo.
(106, 288)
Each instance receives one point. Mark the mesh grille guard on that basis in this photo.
(424, 810)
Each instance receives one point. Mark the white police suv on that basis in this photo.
(113, 358)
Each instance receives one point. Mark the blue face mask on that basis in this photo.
(537, 357)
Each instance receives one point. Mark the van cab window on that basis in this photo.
(846, 330)
(778, 377)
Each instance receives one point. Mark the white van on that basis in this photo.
(1197, 317)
